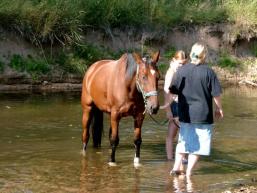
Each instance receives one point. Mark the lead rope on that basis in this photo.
(160, 123)
(145, 96)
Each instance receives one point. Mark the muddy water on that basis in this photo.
(40, 149)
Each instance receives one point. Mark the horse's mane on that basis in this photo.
(131, 66)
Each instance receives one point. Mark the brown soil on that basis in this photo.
(216, 37)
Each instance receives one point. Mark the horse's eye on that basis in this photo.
(144, 77)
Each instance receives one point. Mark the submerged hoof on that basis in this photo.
(83, 153)
(137, 165)
(137, 162)
(112, 164)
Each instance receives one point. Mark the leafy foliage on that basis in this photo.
(169, 53)
(63, 21)
(1, 66)
(254, 49)
(80, 57)
(227, 61)
(29, 64)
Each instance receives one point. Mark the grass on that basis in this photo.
(78, 57)
(29, 64)
(227, 61)
(241, 12)
(63, 21)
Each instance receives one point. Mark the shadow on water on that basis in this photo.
(227, 164)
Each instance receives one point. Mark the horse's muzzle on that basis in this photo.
(152, 109)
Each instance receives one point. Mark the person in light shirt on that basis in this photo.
(171, 102)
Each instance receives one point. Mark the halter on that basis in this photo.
(140, 89)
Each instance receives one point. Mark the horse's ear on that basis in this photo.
(155, 57)
(137, 57)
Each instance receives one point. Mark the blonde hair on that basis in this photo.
(198, 53)
(180, 56)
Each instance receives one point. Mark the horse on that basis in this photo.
(124, 87)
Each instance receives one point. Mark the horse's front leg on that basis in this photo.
(114, 136)
(86, 120)
(138, 121)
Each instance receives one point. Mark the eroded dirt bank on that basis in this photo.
(219, 38)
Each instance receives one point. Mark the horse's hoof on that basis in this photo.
(137, 165)
(112, 164)
(83, 153)
(137, 162)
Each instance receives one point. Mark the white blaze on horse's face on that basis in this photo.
(152, 72)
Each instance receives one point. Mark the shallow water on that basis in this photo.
(40, 143)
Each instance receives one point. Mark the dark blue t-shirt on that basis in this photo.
(195, 86)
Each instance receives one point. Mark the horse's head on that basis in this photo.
(147, 77)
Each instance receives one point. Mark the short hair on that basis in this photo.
(198, 53)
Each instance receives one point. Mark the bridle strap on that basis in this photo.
(140, 89)
(151, 93)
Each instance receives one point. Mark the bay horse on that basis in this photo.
(124, 87)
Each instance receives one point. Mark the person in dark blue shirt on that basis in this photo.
(197, 86)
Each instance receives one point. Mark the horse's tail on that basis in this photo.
(97, 126)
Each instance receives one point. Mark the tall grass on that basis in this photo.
(62, 21)
(242, 12)
(41, 21)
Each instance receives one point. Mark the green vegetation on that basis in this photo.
(29, 64)
(227, 61)
(80, 57)
(49, 22)
(165, 62)
(169, 53)
(254, 49)
(62, 21)
(1, 66)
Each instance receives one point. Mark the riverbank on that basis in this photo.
(20, 82)
(243, 189)
(25, 66)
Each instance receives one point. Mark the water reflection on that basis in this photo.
(182, 184)
(95, 177)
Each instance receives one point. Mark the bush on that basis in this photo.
(254, 49)
(29, 64)
(169, 53)
(80, 57)
(1, 66)
(62, 21)
(227, 61)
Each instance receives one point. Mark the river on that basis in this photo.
(40, 145)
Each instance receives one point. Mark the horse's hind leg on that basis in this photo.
(138, 121)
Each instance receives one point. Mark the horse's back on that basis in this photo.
(97, 81)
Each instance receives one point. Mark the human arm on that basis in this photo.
(218, 107)
(168, 97)
(216, 91)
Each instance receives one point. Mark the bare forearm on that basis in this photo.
(218, 107)
(217, 101)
